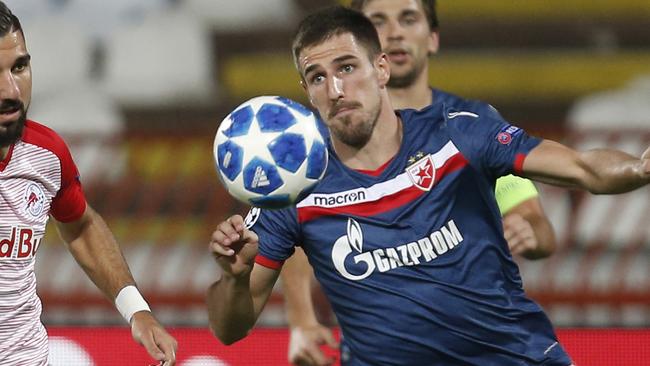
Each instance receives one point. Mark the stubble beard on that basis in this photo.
(358, 136)
(15, 130)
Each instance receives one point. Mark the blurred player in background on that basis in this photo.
(39, 179)
(403, 232)
(408, 31)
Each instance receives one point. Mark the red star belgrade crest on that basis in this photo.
(422, 173)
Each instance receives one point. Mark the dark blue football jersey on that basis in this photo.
(413, 260)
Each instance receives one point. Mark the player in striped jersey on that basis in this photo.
(403, 231)
(408, 31)
(39, 180)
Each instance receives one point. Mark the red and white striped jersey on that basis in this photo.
(38, 178)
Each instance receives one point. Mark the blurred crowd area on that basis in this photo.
(138, 88)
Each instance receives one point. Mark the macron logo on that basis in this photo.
(340, 199)
(461, 113)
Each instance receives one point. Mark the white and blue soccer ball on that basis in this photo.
(269, 152)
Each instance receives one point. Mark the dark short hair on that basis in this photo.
(333, 21)
(429, 7)
(9, 23)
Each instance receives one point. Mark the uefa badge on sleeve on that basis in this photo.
(505, 135)
(504, 138)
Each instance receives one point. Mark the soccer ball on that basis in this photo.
(269, 152)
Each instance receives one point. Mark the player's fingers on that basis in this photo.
(218, 250)
(149, 344)
(229, 232)
(168, 345)
(646, 154)
(218, 236)
(317, 355)
(514, 239)
(512, 220)
(509, 233)
(250, 236)
(528, 233)
(515, 227)
(220, 243)
(330, 341)
(646, 161)
(516, 248)
(509, 227)
(237, 222)
(302, 359)
(224, 239)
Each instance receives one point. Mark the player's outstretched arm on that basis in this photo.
(600, 171)
(307, 334)
(93, 246)
(237, 298)
(528, 231)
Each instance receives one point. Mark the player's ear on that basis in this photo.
(383, 68)
(434, 43)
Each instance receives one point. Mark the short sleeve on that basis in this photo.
(489, 142)
(70, 202)
(278, 232)
(512, 190)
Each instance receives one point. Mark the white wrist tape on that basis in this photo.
(129, 301)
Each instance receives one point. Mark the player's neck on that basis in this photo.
(383, 145)
(3, 152)
(416, 95)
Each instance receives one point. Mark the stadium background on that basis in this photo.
(138, 88)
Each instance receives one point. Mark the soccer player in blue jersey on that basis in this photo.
(408, 32)
(412, 256)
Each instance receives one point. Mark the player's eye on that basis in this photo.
(317, 79)
(347, 68)
(409, 20)
(20, 65)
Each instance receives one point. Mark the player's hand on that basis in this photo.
(234, 246)
(646, 162)
(519, 234)
(305, 346)
(146, 330)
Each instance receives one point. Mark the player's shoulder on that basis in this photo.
(454, 106)
(467, 114)
(445, 97)
(44, 137)
(429, 114)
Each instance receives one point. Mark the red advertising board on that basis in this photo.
(197, 347)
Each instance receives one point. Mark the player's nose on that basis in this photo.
(335, 88)
(8, 86)
(394, 30)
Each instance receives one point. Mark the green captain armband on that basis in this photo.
(512, 190)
